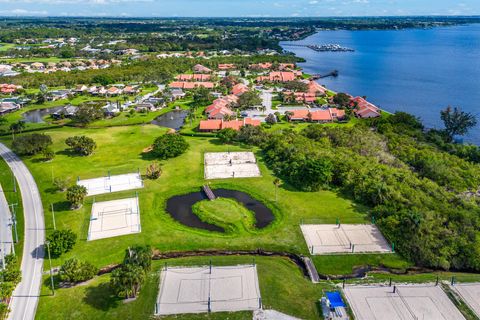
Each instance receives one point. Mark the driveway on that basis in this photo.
(266, 96)
(25, 297)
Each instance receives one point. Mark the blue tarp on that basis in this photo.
(335, 299)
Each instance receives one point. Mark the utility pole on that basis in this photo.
(53, 217)
(14, 221)
(51, 272)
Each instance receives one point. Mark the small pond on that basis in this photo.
(173, 119)
(180, 208)
(36, 116)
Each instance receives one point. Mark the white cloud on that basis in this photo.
(23, 12)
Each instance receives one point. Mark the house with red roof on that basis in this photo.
(279, 76)
(322, 116)
(300, 97)
(226, 66)
(364, 109)
(239, 89)
(114, 91)
(261, 66)
(220, 108)
(216, 125)
(316, 89)
(198, 68)
(188, 85)
(193, 77)
(9, 88)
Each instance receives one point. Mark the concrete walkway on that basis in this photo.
(25, 297)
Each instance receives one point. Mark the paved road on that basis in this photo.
(6, 239)
(266, 96)
(25, 296)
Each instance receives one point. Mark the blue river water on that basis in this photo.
(420, 71)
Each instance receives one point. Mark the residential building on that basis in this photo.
(364, 109)
(191, 85)
(193, 77)
(7, 107)
(239, 89)
(198, 68)
(322, 115)
(216, 125)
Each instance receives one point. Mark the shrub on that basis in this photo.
(61, 183)
(48, 154)
(74, 270)
(61, 241)
(154, 171)
(82, 145)
(75, 195)
(31, 144)
(169, 146)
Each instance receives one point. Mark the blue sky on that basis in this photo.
(238, 8)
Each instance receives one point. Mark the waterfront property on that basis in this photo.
(322, 115)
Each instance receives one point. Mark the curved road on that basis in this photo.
(25, 297)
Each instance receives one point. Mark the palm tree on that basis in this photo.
(127, 280)
(276, 183)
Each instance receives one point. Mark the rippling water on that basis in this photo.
(418, 71)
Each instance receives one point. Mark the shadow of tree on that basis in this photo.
(101, 297)
(62, 206)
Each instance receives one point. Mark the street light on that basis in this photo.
(51, 273)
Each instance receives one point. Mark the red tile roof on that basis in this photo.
(214, 125)
(239, 89)
(278, 76)
(191, 85)
(226, 66)
(364, 109)
(194, 77)
(326, 115)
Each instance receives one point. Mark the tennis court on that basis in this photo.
(110, 183)
(114, 218)
(222, 165)
(470, 293)
(408, 302)
(208, 289)
(344, 238)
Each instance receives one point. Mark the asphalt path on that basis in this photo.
(25, 297)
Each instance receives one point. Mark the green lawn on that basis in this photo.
(282, 286)
(226, 213)
(120, 151)
(6, 46)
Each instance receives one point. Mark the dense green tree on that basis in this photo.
(88, 112)
(298, 86)
(74, 271)
(31, 144)
(227, 135)
(341, 99)
(202, 96)
(81, 145)
(127, 280)
(169, 146)
(249, 99)
(61, 241)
